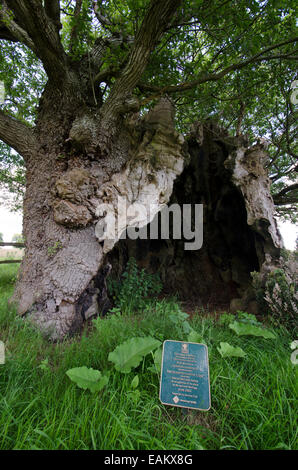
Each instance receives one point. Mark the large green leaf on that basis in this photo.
(129, 354)
(157, 357)
(227, 350)
(88, 378)
(195, 337)
(248, 329)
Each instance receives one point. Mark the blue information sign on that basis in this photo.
(185, 375)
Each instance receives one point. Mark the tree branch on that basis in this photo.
(30, 24)
(153, 26)
(110, 25)
(17, 135)
(98, 52)
(11, 30)
(283, 197)
(74, 30)
(104, 20)
(52, 9)
(208, 77)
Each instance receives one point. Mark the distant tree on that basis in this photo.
(17, 238)
(1, 237)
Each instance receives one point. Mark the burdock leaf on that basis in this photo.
(88, 378)
(227, 350)
(248, 329)
(129, 354)
(195, 337)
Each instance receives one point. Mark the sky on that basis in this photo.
(11, 224)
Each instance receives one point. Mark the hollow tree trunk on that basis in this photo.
(62, 277)
(240, 234)
(75, 169)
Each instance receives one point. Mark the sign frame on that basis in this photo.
(208, 376)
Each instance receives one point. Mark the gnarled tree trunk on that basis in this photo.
(61, 280)
(83, 152)
(60, 275)
(72, 170)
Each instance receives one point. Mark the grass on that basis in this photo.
(254, 400)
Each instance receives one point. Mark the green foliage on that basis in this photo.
(249, 329)
(88, 378)
(169, 320)
(253, 400)
(226, 350)
(12, 177)
(195, 337)
(129, 354)
(53, 249)
(79, 43)
(44, 365)
(226, 318)
(157, 359)
(136, 286)
(278, 297)
(18, 238)
(24, 80)
(135, 382)
(245, 317)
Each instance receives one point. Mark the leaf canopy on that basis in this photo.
(232, 61)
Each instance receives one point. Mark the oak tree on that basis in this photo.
(91, 94)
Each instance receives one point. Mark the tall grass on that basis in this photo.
(254, 400)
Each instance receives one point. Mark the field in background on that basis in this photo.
(254, 399)
(11, 253)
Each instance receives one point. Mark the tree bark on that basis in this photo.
(67, 179)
